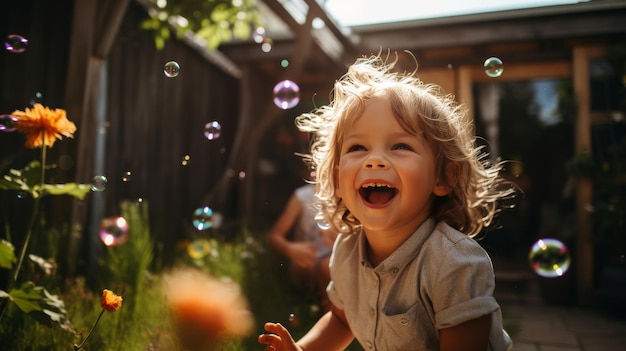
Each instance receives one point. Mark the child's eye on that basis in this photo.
(355, 147)
(401, 146)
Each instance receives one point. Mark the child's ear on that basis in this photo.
(443, 187)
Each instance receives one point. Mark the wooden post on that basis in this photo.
(584, 240)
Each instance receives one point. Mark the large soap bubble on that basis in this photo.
(286, 94)
(113, 231)
(549, 258)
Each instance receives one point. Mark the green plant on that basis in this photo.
(215, 21)
(42, 127)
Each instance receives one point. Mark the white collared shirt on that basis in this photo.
(438, 278)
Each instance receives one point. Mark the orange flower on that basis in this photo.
(205, 310)
(41, 124)
(110, 301)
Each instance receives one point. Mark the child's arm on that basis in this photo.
(472, 335)
(302, 254)
(331, 332)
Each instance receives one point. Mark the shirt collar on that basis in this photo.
(403, 254)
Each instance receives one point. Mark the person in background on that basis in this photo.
(399, 175)
(307, 244)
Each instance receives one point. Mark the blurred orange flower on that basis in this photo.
(41, 124)
(110, 301)
(205, 310)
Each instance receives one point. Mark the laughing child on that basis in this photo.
(401, 178)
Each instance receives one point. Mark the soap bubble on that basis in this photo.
(185, 160)
(212, 130)
(113, 231)
(171, 69)
(294, 321)
(266, 46)
(7, 123)
(203, 218)
(322, 223)
(99, 183)
(259, 35)
(127, 176)
(549, 258)
(15, 43)
(286, 94)
(198, 248)
(493, 67)
(36, 99)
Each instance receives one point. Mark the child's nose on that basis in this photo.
(376, 161)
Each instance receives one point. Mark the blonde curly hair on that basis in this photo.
(476, 186)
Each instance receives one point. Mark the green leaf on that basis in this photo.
(7, 254)
(38, 303)
(25, 179)
(74, 189)
(28, 180)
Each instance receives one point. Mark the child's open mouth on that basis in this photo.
(377, 193)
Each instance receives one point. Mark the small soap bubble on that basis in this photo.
(212, 130)
(7, 123)
(113, 231)
(322, 223)
(127, 176)
(203, 218)
(493, 67)
(171, 69)
(549, 258)
(266, 46)
(37, 99)
(284, 63)
(198, 248)
(286, 94)
(259, 35)
(185, 160)
(294, 321)
(242, 175)
(15, 43)
(99, 183)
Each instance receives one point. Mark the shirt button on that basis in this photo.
(372, 313)
(369, 345)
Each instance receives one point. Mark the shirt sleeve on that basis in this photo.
(464, 285)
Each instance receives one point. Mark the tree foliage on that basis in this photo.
(214, 21)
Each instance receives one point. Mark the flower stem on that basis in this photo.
(78, 347)
(33, 217)
(31, 223)
(29, 229)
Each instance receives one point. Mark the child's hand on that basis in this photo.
(279, 339)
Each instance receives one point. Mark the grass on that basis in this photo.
(143, 323)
